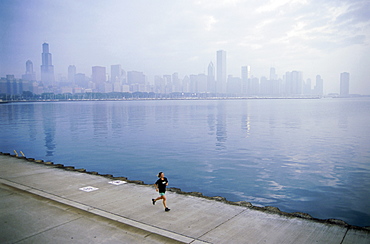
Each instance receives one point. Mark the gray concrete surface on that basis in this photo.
(43, 204)
(28, 218)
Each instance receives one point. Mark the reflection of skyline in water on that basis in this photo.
(221, 128)
(49, 125)
(29, 110)
(290, 154)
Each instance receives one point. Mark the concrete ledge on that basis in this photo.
(269, 209)
(194, 218)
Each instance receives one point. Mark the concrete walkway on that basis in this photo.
(44, 204)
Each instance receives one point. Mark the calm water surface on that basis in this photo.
(309, 156)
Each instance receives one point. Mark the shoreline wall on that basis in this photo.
(269, 209)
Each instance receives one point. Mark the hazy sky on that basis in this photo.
(160, 37)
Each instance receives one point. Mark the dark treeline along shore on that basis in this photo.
(29, 96)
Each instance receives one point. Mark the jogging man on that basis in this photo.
(160, 186)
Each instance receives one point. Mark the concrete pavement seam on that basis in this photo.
(56, 226)
(344, 236)
(45, 230)
(103, 213)
(222, 223)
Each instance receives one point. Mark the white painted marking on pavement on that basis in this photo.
(88, 188)
(117, 182)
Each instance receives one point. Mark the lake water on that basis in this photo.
(306, 155)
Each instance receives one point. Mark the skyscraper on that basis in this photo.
(29, 67)
(273, 75)
(81, 80)
(136, 77)
(221, 71)
(211, 82)
(30, 74)
(116, 73)
(137, 81)
(246, 76)
(293, 83)
(297, 82)
(168, 83)
(344, 84)
(176, 82)
(319, 87)
(47, 68)
(98, 74)
(234, 85)
(201, 85)
(246, 72)
(71, 74)
(99, 77)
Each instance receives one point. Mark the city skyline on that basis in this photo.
(317, 38)
(292, 84)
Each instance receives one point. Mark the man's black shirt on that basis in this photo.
(162, 184)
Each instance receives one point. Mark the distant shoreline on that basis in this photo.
(144, 96)
(152, 99)
(155, 99)
(189, 98)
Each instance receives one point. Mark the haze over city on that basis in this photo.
(322, 38)
(265, 102)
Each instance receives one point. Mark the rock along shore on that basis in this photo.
(126, 205)
(268, 209)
